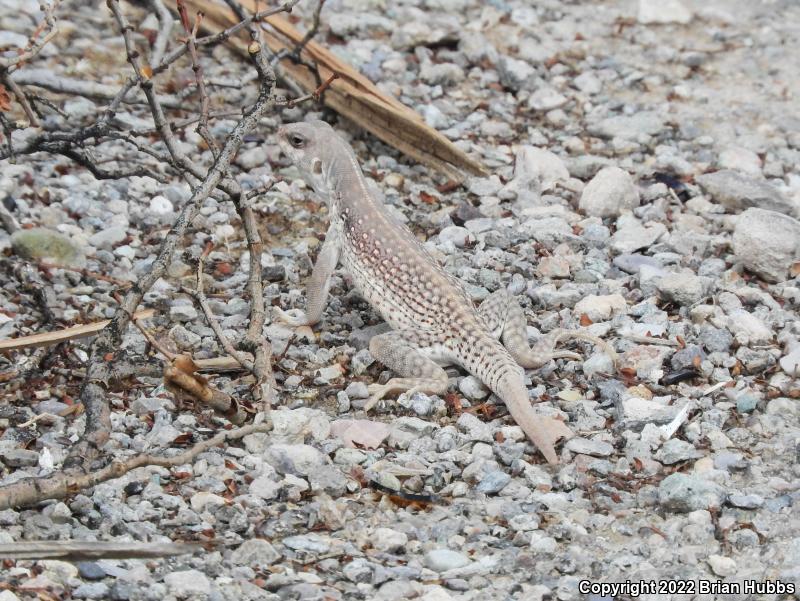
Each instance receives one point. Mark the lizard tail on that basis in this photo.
(543, 431)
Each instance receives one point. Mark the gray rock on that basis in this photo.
(746, 402)
(473, 388)
(790, 362)
(265, 487)
(609, 193)
(406, 429)
(746, 501)
(485, 186)
(357, 390)
(185, 339)
(295, 459)
(683, 288)
(686, 357)
(183, 312)
(493, 482)
(747, 328)
(675, 450)
(389, 540)
(328, 479)
(90, 570)
(293, 426)
(684, 493)
(587, 446)
(108, 237)
(441, 73)
(740, 159)
(308, 543)
(255, 552)
(635, 412)
(536, 170)
(515, 74)
(358, 570)
(596, 364)
(715, 340)
(737, 192)
(546, 99)
(458, 235)
(767, 243)
(628, 127)
(419, 403)
(188, 584)
(601, 308)
(42, 244)
(632, 263)
(631, 236)
(442, 560)
(91, 590)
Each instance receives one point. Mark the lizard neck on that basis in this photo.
(347, 186)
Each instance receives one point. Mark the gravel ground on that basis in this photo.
(645, 183)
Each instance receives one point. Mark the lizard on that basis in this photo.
(434, 321)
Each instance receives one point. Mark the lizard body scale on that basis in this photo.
(433, 320)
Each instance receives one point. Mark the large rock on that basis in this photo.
(40, 243)
(737, 191)
(684, 493)
(609, 193)
(767, 243)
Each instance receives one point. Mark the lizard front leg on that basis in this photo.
(505, 320)
(403, 351)
(319, 284)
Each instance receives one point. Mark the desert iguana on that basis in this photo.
(433, 319)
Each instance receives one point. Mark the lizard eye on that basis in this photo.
(297, 140)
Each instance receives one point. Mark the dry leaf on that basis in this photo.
(794, 270)
(586, 320)
(5, 100)
(428, 198)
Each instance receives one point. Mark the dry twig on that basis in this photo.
(29, 491)
(75, 550)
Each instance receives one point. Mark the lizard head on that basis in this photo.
(311, 146)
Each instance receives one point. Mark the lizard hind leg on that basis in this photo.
(403, 352)
(505, 319)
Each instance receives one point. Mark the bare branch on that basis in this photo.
(200, 297)
(165, 19)
(29, 491)
(45, 32)
(21, 98)
(43, 78)
(74, 550)
(205, 102)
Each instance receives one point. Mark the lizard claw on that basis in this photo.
(293, 317)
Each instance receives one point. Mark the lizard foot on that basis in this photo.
(548, 432)
(379, 391)
(293, 317)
